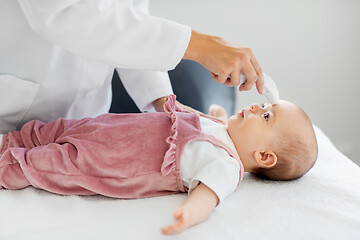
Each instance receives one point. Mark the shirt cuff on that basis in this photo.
(182, 43)
(144, 87)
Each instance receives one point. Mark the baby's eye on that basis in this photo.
(263, 105)
(266, 116)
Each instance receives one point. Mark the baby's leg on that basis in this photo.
(52, 167)
(11, 174)
(36, 133)
(30, 156)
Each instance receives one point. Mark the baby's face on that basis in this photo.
(255, 127)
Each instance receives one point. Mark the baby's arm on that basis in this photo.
(197, 207)
(158, 105)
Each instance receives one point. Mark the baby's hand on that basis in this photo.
(182, 221)
(218, 112)
(197, 207)
(188, 109)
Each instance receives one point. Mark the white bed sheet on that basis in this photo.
(324, 204)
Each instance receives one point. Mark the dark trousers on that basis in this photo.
(192, 84)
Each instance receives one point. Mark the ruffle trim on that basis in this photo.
(170, 109)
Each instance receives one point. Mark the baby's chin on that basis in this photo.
(235, 119)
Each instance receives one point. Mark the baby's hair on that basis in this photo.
(296, 154)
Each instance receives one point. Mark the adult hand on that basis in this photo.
(225, 61)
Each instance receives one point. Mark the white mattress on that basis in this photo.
(324, 204)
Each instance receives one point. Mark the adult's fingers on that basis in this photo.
(214, 76)
(256, 65)
(235, 78)
(231, 80)
(260, 84)
(259, 72)
(249, 70)
(220, 78)
(250, 75)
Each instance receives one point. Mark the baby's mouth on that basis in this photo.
(242, 113)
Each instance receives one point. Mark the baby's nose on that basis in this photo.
(254, 108)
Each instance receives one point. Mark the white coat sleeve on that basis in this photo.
(111, 31)
(144, 87)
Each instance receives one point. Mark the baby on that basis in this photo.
(154, 154)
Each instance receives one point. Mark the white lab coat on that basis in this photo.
(57, 57)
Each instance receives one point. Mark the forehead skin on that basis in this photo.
(288, 117)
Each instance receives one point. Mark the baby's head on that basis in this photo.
(274, 141)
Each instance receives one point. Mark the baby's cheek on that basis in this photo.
(252, 131)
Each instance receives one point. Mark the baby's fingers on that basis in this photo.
(179, 224)
(175, 228)
(178, 214)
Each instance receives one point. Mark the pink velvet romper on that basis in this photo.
(115, 155)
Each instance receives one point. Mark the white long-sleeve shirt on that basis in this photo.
(57, 57)
(202, 161)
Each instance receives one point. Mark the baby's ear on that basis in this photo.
(265, 159)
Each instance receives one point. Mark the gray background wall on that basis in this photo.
(311, 48)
